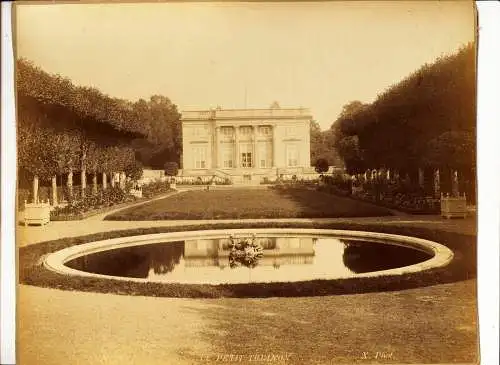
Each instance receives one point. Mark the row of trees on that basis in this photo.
(426, 120)
(65, 129)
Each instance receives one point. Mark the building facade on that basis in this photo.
(246, 144)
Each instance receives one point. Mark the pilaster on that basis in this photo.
(254, 145)
(273, 127)
(236, 146)
(216, 160)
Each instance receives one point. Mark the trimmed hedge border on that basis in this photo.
(462, 267)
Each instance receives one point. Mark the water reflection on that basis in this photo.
(284, 259)
(277, 252)
(362, 257)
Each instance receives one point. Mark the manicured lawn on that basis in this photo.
(248, 203)
(426, 325)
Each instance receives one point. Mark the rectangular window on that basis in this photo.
(227, 131)
(200, 131)
(246, 159)
(246, 155)
(228, 157)
(246, 131)
(262, 156)
(200, 157)
(292, 156)
(265, 130)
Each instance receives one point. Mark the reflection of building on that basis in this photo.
(246, 144)
(277, 251)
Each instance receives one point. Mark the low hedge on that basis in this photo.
(462, 267)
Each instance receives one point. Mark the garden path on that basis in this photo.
(55, 230)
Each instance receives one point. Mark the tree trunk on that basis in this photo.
(69, 184)
(421, 178)
(83, 176)
(35, 189)
(112, 179)
(54, 190)
(104, 181)
(437, 184)
(454, 183)
(122, 180)
(94, 183)
(83, 181)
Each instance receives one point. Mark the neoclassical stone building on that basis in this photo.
(246, 145)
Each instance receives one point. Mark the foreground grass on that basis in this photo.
(428, 325)
(462, 267)
(248, 203)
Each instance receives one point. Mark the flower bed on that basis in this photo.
(105, 200)
(202, 180)
(78, 209)
(155, 188)
(409, 200)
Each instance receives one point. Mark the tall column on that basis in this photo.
(236, 146)
(274, 145)
(254, 146)
(216, 156)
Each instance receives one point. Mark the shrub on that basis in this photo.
(155, 188)
(321, 166)
(134, 170)
(171, 168)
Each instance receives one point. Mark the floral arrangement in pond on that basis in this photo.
(244, 252)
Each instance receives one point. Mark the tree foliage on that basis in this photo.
(164, 133)
(322, 146)
(426, 119)
(88, 103)
(63, 127)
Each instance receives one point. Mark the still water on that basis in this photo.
(283, 259)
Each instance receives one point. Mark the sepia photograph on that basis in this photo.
(288, 182)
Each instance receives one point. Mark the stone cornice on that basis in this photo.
(247, 114)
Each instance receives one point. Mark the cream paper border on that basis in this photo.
(488, 187)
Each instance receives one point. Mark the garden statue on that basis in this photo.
(244, 251)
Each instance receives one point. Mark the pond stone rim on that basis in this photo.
(441, 255)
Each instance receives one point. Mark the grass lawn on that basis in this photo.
(426, 325)
(251, 203)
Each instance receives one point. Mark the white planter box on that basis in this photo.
(455, 207)
(37, 213)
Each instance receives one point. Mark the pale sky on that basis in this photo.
(318, 55)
